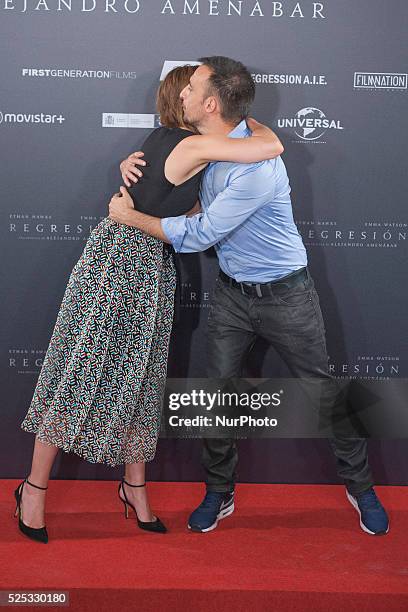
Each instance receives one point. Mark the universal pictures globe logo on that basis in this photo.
(314, 129)
(310, 123)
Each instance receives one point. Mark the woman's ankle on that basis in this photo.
(35, 486)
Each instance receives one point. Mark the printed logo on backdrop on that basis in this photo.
(366, 234)
(37, 226)
(191, 297)
(27, 360)
(213, 8)
(310, 124)
(130, 120)
(289, 79)
(76, 73)
(385, 81)
(367, 367)
(238, 8)
(7, 118)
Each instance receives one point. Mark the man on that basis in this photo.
(264, 287)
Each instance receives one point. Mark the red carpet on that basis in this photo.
(286, 547)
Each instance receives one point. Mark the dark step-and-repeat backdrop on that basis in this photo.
(78, 83)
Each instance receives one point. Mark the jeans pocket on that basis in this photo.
(298, 296)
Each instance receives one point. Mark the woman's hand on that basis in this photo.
(259, 130)
(254, 125)
(129, 169)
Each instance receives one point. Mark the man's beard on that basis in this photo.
(190, 121)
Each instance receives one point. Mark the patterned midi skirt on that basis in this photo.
(100, 390)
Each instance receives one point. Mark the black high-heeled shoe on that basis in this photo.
(155, 526)
(40, 534)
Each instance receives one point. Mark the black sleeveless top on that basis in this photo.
(153, 194)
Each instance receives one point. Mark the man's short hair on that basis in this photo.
(233, 85)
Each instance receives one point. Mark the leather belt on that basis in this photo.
(280, 286)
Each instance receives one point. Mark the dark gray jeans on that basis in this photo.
(291, 321)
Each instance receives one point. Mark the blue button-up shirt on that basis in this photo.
(247, 215)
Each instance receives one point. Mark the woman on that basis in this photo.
(101, 385)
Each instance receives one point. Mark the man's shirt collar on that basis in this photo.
(239, 130)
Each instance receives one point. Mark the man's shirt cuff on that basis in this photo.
(175, 230)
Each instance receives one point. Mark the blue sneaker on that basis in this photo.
(373, 517)
(214, 507)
